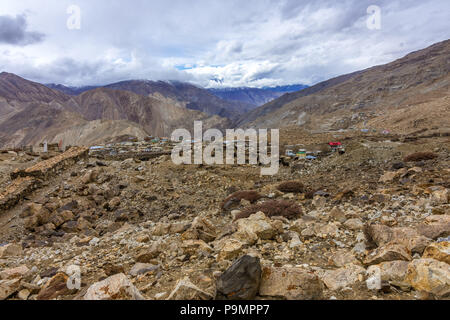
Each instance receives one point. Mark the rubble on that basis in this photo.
(145, 228)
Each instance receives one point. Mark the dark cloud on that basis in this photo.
(13, 31)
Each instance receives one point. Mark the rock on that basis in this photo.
(23, 294)
(342, 258)
(142, 268)
(89, 177)
(246, 236)
(202, 229)
(55, 287)
(439, 251)
(10, 250)
(8, 288)
(343, 277)
(389, 252)
(410, 238)
(116, 287)
(146, 255)
(337, 215)
(62, 217)
(14, 273)
(429, 275)
(440, 196)
(241, 281)
(354, 224)
(391, 272)
(389, 176)
(290, 283)
(186, 290)
(435, 227)
(194, 247)
(259, 224)
(319, 201)
(112, 269)
(230, 249)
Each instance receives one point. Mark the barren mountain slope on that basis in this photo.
(420, 78)
(193, 97)
(31, 113)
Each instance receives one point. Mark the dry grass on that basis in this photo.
(291, 187)
(420, 156)
(236, 197)
(272, 208)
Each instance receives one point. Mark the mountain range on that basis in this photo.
(409, 94)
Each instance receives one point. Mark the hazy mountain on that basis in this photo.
(254, 96)
(73, 91)
(184, 94)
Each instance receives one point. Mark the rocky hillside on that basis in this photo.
(420, 78)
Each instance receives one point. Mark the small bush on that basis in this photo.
(291, 187)
(420, 156)
(236, 197)
(272, 208)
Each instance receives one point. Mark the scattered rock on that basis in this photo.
(438, 251)
(116, 287)
(290, 283)
(10, 250)
(343, 277)
(389, 252)
(241, 281)
(429, 275)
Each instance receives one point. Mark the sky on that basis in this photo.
(211, 43)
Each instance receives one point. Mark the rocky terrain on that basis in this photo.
(373, 223)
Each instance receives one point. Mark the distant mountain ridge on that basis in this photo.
(184, 94)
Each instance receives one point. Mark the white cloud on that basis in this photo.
(217, 43)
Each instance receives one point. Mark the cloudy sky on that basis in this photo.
(211, 43)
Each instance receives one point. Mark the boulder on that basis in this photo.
(14, 273)
(142, 268)
(55, 287)
(439, 251)
(388, 252)
(193, 247)
(354, 224)
(342, 258)
(241, 281)
(230, 249)
(391, 272)
(146, 255)
(429, 275)
(10, 250)
(290, 283)
(337, 215)
(8, 288)
(259, 224)
(343, 277)
(116, 287)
